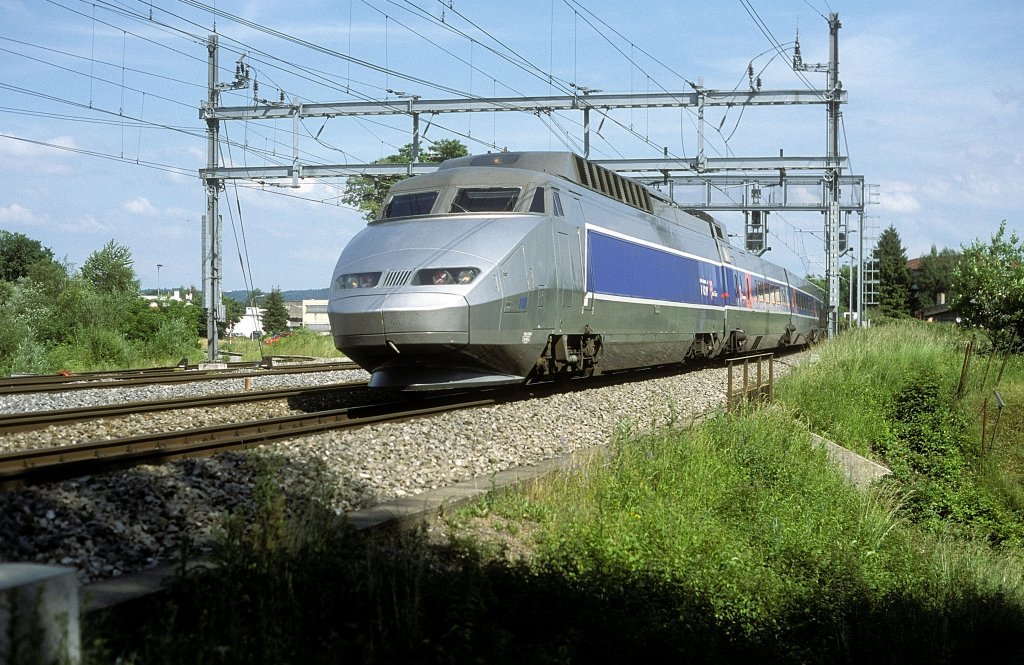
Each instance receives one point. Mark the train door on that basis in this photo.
(569, 262)
(579, 256)
(567, 266)
(515, 294)
(790, 299)
(723, 273)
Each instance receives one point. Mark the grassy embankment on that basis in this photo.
(737, 541)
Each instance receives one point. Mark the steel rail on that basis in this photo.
(28, 421)
(54, 383)
(25, 467)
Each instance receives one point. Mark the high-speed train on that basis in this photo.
(521, 266)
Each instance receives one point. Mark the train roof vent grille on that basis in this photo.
(613, 185)
(397, 277)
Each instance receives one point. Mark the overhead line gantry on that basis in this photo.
(760, 177)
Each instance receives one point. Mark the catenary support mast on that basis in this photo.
(834, 171)
(211, 221)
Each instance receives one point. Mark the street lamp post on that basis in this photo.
(158, 266)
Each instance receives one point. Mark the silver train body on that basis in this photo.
(514, 267)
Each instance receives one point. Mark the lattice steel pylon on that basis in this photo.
(871, 282)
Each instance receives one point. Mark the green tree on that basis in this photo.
(233, 312)
(275, 314)
(893, 276)
(52, 276)
(988, 283)
(110, 269)
(933, 278)
(368, 193)
(18, 253)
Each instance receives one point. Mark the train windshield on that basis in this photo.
(408, 205)
(486, 199)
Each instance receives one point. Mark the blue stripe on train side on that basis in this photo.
(630, 269)
(623, 267)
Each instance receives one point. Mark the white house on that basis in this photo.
(251, 321)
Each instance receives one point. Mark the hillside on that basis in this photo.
(299, 294)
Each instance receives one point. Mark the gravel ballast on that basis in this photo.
(116, 523)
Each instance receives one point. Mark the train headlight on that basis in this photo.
(443, 276)
(358, 280)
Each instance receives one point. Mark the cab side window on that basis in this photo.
(537, 205)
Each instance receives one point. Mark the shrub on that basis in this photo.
(106, 348)
(28, 357)
(172, 340)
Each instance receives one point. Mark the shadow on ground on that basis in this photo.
(299, 586)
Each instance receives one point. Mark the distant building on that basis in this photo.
(309, 314)
(939, 312)
(251, 322)
(173, 296)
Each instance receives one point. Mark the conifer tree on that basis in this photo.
(893, 276)
(275, 314)
(934, 278)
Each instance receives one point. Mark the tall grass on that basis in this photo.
(768, 553)
(301, 342)
(845, 392)
(892, 393)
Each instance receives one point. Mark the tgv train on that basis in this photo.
(522, 266)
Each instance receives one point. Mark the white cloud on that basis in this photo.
(16, 214)
(86, 224)
(140, 205)
(898, 197)
(37, 157)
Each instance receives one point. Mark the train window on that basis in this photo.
(537, 205)
(407, 205)
(556, 201)
(485, 199)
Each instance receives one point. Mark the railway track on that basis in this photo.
(25, 422)
(159, 375)
(25, 467)
(49, 464)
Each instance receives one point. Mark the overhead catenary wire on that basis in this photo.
(169, 168)
(557, 123)
(467, 135)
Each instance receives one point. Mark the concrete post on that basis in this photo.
(39, 614)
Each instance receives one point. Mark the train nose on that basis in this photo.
(425, 318)
(406, 322)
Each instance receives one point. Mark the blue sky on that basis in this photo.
(100, 135)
